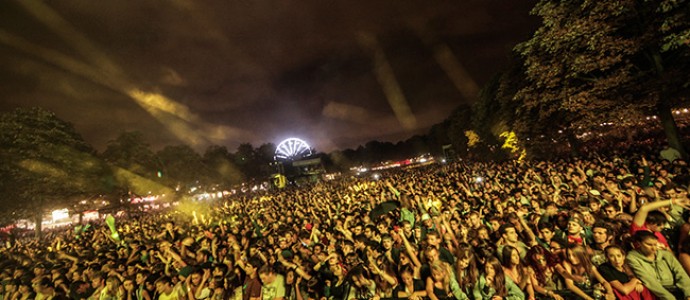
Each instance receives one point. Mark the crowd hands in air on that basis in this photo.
(611, 226)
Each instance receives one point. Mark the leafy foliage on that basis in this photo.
(602, 61)
(183, 166)
(45, 164)
(131, 152)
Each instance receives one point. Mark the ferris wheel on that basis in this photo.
(292, 148)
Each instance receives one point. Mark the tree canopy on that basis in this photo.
(603, 61)
(45, 164)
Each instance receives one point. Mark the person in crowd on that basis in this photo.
(273, 284)
(648, 218)
(362, 285)
(583, 276)
(438, 285)
(575, 233)
(218, 289)
(166, 289)
(410, 288)
(45, 290)
(251, 289)
(669, 153)
(657, 268)
(113, 289)
(493, 284)
(684, 255)
(466, 268)
(313, 235)
(602, 236)
(516, 270)
(140, 279)
(509, 237)
(543, 270)
(97, 284)
(129, 289)
(620, 276)
(197, 284)
(339, 288)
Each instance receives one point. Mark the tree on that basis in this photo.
(131, 152)
(183, 166)
(46, 165)
(218, 159)
(460, 121)
(603, 61)
(245, 158)
(439, 137)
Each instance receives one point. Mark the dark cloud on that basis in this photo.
(247, 71)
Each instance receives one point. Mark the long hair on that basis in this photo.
(580, 253)
(467, 277)
(441, 268)
(381, 284)
(507, 260)
(499, 277)
(531, 260)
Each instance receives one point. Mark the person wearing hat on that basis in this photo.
(575, 233)
(427, 225)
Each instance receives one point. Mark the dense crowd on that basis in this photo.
(611, 226)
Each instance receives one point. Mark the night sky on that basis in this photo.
(335, 73)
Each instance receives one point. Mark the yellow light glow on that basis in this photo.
(472, 138)
(512, 144)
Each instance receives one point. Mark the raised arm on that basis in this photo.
(641, 214)
(528, 229)
(410, 251)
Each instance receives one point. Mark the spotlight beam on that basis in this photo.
(386, 78)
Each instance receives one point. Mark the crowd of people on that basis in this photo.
(609, 226)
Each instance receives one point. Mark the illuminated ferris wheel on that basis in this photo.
(292, 148)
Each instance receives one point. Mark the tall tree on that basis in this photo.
(131, 152)
(46, 165)
(604, 61)
(183, 166)
(221, 162)
(245, 156)
(460, 121)
(264, 157)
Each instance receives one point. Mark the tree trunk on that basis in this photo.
(668, 123)
(574, 143)
(630, 135)
(38, 228)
